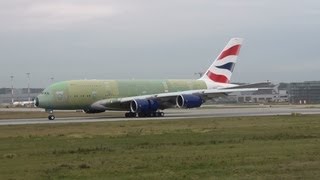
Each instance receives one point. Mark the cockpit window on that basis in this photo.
(45, 93)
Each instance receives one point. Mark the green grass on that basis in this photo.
(274, 147)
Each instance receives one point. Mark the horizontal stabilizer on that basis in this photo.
(260, 85)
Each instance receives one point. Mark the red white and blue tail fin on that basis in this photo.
(221, 69)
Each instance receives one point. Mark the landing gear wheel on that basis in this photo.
(160, 114)
(51, 117)
(141, 114)
(144, 114)
(130, 114)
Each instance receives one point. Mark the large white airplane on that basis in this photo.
(145, 98)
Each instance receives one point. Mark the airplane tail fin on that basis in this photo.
(221, 69)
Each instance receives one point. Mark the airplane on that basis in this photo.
(145, 98)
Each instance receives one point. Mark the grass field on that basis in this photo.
(274, 147)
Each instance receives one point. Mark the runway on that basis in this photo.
(172, 114)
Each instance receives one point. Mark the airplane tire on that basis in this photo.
(51, 117)
(141, 114)
(130, 114)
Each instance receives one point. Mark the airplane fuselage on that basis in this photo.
(81, 94)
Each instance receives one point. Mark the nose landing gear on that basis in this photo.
(51, 116)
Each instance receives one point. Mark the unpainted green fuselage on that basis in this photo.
(80, 94)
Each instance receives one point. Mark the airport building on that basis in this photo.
(307, 92)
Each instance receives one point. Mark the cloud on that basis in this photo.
(37, 15)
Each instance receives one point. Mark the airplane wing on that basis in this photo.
(203, 93)
(166, 100)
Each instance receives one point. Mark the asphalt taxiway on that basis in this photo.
(179, 114)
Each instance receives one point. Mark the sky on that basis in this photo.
(149, 39)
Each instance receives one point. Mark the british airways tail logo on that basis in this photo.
(216, 74)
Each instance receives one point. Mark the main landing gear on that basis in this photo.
(51, 116)
(144, 114)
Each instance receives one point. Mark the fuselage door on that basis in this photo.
(60, 95)
(94, 95)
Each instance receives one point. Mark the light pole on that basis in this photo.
(12, 88)
(28, 75)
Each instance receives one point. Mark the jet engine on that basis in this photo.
(189, 101)
(143, 105)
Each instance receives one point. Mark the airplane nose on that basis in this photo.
(36, 102)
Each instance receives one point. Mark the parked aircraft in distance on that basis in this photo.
(23, 103)
(145, 98)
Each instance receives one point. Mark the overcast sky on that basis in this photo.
(149, 39)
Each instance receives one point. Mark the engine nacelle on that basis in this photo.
(92, 111)
(143, 105)
(189, 101)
